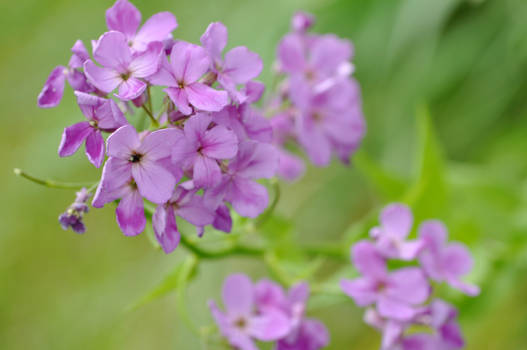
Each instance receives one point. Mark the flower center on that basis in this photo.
(93, 124)
(125, 76)
(240, 323)
(135, 157)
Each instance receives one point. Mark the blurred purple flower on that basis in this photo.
(396, 223)
(241, 323)
(396, 294)
(444, 261)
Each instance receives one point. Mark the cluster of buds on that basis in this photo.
(265, 312)
(400, 300)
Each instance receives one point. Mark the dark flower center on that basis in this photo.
(125, 76)
(93, 123)
(240, 323)
(135, 157)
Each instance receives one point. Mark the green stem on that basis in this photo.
(220, 253)
(53, 183)
(267, 214)
(153, 120)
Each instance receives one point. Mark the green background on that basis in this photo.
(465, 62)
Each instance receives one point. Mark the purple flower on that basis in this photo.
(202, 147)
(53, 89)
(240, 64)
(392, 330)
(317, 59)
(396, 223)
(125, 18)
(331, 120)
(254, 160)
(188, 63)
(444, 261)
(122, 68)
(396, 294)
(306, 333)
(186, 204)
(246, 122)
(72, 218)
(222, 219)
(102, 115)
(137, 167)
(241, 323)
(290, 166)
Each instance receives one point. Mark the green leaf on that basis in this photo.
(428, 195)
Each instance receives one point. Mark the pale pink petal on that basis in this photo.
(291, 54)
(206, 172)
(395, 309)
(219, 143)
(408, 285)
(270, 326)
(130, 89)
(361, 290)
(205, 98)
(156, 28)
(189, 62)
(154, 181)
(214, 39)
(122, 142)
(396, 220)
(53, 89)
(163, 76)
(368, 261)
(179, 97)
(255, 160)
(242, 65)
(248, 198)
(237, 294)
(159, 144)
(104, 79)
(123, 17)
(112, 51)
(147, 63)
(196, 212)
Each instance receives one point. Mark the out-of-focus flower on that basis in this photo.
(241, 322)
(444, 261)
(397, 294)
(396, 222)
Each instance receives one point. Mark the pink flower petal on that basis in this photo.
(72, 138)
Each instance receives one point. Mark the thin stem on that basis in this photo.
(149, 99)
(220, 253)
(53, 183)
(154, 121)
(267, 214)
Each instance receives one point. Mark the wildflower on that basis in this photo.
(72, 218)
(246, 122)
(302, 21)
(137, 168)
(396, 223)
(444, 261)
(201, 148)
(186, 204)
(240, 65)
(188, 63)
(126, 18)
(254, 160)
(305, 333)
(103, 115)
(242, 323)
(396, 294)
(53, 89)
(121, 67)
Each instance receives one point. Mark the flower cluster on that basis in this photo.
(205, 149)
(264, 312)
(317, 103)
(72, 217)
(401, 298)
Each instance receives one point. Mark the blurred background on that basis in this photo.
(464, 63)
